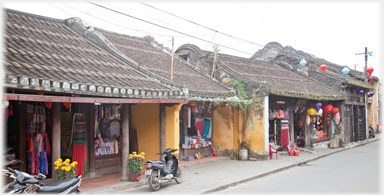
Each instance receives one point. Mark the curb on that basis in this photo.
(285, 167)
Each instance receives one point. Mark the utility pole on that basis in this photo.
(366, 63)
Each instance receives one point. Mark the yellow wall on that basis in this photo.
(254, 131)
(373, 109)
(223, 134)
(145, 118)
(172, 128)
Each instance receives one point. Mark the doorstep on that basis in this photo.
(115, 179)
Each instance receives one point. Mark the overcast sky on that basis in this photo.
(334, 31)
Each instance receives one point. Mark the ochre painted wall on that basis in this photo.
(172, 128)
(223, 133)
(145, 118)
(373, 109)
(254, 130)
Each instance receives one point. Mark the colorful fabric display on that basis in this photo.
(207, 126)
(79, 143)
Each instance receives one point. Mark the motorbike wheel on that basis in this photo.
(153, 180)
(179, 176)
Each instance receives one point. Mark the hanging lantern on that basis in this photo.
(361, 92)
(335, 110)
(323, 67)
(370, 70)
(320, 112)
(311, 111)
(318, 106)
(345, 70)
(327, 108)
(371, 93)
(303, 62)
(336, 118)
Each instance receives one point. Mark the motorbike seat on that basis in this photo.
(58, 186)
(157, 162)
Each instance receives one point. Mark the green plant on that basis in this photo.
(136, 162)
(65, 170)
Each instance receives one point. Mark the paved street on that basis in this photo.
(218, 176)
(351, 171)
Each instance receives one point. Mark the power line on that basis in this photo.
(119, 24)
(204, 26)
(168, 28)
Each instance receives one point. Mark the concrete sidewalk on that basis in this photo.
(223, 173)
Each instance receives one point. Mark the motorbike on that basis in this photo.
(378, 128)
(160, 172)
(371, 132)
(26, 183)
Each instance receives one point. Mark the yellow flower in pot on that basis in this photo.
(135, 165)
(65, 170)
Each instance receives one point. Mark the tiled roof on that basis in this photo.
(158, 60)
(47, 51)
(283, 81)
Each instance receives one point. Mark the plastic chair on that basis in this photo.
(271, 151)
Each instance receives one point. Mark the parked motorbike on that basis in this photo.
(159, 172)
(371, 132)
(378, 128)
(26, 183)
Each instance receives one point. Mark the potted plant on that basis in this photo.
(66, 169)
(135, 165)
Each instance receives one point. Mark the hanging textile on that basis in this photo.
(37, 140)
(284, 139)
(207, 126)
(79, 143)
(199, 126)
(182, 133)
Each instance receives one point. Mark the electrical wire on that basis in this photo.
(168, 28)
(237, 38)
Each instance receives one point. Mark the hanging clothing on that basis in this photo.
(189, 117)
(182, 133)
(284, 139)
(79, 143)
(207, 126)
(199, 125)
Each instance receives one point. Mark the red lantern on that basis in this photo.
(370, 78)
(323, 67)
(335, 110)
(327, 108)
(370, 70)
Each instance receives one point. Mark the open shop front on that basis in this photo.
(279, 128)
(196, 130)
(33, 143)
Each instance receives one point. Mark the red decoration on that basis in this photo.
(370, 78)
(318, 128)
(370, 70)
(323, 67)
(327, 109)
(67, 105)
(48, 105)
(335, 110)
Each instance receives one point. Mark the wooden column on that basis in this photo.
(22, 135)
(162, 130)
(92, 114)
(125, 144)
(55, 136)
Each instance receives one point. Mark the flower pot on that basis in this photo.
(134, 176)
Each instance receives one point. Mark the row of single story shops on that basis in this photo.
(64, 79)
